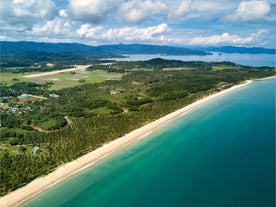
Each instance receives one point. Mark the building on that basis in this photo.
(36, 150)
(54, 95)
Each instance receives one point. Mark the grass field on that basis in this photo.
(63, 80)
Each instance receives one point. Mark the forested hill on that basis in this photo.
(21, 47)
(242, 50)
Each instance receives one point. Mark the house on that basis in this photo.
(13, 109)
(36, 150)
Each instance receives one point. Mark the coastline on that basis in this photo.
(267, 78)
(38, 185)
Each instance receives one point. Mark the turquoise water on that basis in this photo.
(220, 155)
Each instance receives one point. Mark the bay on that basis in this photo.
(221, 154)
(242, 59)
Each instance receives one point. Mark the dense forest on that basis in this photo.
(80, 119)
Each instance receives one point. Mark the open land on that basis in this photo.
(77, 68)
(64, 171)
(61, 79)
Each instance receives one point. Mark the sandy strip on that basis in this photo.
(78, 68)
(40, 184)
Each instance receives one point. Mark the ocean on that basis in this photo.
(220, 154)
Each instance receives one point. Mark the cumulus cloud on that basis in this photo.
(88, 31)
(91, 10)
(257, 38)
(250, 11)
(136, 11)
(60, 25)
(24, 13)
(53, 27)
(123, 35)
(136, 34)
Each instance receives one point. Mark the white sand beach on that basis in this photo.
(40, 184)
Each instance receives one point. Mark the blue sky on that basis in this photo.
(162, 22)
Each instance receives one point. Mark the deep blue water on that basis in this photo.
(220, 155)
(242, 59)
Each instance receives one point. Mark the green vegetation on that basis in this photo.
(82, 118)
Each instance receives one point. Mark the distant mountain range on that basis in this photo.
(150, 49)
(22, 47)
(8, 47)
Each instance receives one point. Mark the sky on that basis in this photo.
(159, 22)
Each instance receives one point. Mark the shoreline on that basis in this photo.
(267, 78)
(64, 171)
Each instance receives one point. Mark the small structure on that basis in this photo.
(50, 65)
(24, 96)
(54, 95)
(36, 150)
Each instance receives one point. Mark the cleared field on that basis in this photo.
(177, 69)
(63, 80)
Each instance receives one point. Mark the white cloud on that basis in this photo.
(91, 10)
(136, 11)
(257, 38)
(55, 27)
(87, 31)
(250, 11)
(24, 13)
(100, 35)
(127, 34)
(203, 9)
(182, 10)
